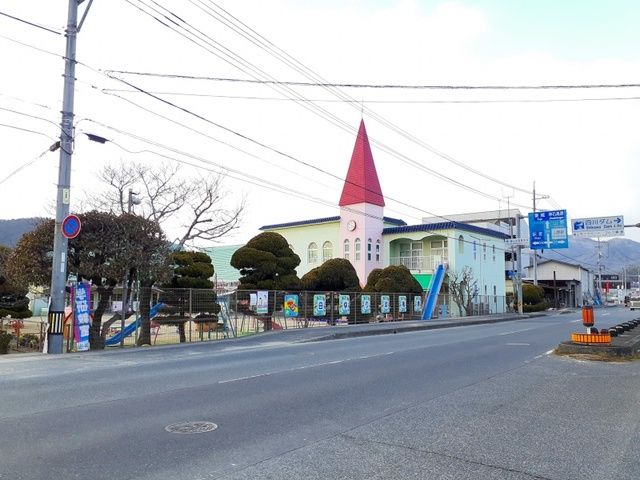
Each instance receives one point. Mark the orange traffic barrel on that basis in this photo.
(587, 316)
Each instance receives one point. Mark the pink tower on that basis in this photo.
(361, 210)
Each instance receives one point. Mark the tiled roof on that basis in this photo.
(444, 226)
(361, 184)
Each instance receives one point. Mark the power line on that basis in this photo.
(48, 29)
(381, 86)
(26, 130)
(26, 164)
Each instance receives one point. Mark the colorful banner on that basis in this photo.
(291, 305)
(417, 304)
(385, 304)
(82, 315)
(262, 302)
(365, 304)
(319, 305)
(402, 304)
(344, 304)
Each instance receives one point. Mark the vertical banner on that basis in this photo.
(402, 304)
(319, 305)
(344, 304)
(291, 305)
(365, 304)
(262, 302)
(417, 304)
(385, 304)
(82, 315)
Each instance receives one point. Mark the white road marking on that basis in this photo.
(304, 367)
(514, 344)
(576, 321)
(515, 331)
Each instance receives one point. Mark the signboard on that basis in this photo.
(262, 302)
(517, 242)
(291, 305)
(82, 315)
(402, 304)
(417, 304)
(598, 227)
(385, 304)
(610, 277)
(344, 302)
(548, 230)
(365, 304)
(319, 305)
(71, 226)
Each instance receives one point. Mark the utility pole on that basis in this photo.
(599, 287)
(519, 274)
(535, 254)
(131, 201)
(63, 198)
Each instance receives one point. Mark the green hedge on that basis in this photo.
(5, 338)
(538, 307)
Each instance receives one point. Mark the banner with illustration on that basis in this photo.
(344, 304)
(402, 304)
(82, 315)
(262, 302)
(319, 305)
(365, 304)
(291, 305)
(385, 304)
(417, 304)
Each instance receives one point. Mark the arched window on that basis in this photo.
(369, 243)
(312, 253)
(356, 248)
(345, 249)
(327, 251)
(377, 250)
(460, 244)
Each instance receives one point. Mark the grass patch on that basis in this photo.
(600, 357)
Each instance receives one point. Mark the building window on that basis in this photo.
(484, 251)
(327, 251)
(345, 249)
(475, 249)
(377, 250)
(460, 244)
(493, 248)
(495, 297)
(356, 248)
(312, 253)
(369, 243)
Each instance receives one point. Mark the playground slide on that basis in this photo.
(132, 327)
(434, 291)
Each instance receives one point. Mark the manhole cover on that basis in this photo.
(191, 427)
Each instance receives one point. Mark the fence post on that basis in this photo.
(190, 311)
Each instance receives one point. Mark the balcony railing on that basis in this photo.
(428, 263)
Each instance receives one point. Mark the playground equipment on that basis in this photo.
(132, 327)
(434, 290)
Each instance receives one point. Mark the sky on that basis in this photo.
(437, 151)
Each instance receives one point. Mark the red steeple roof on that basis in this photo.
(361, 184)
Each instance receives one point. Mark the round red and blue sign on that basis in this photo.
(71, 226)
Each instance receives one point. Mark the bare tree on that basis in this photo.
(463, 288)
(198, 203)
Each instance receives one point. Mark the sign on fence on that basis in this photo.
(262, 302)
(385, 304)
(402, 304)
(344, 304)
(365, 304)
(319, 305)
(417, 304)
(291, 305)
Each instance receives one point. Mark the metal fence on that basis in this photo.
(196, 315)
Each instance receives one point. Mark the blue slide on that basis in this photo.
(434, 291)
(132, 327)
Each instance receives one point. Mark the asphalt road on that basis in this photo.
(474, 402)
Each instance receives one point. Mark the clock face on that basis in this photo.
(351, 225)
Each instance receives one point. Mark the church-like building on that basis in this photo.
(363, 235)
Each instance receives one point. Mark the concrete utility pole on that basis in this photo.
(60, 242)
(519, 267)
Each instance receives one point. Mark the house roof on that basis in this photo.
(444, 226)
(313, 221)
(361, 184)
(571, 264)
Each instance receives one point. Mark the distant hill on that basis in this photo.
(616, 253)
(12, 230)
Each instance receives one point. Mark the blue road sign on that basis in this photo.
(548, 230)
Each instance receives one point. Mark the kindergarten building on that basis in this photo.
(364, 236)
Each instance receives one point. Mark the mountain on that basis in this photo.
(616, 253)
(12, 230)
